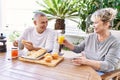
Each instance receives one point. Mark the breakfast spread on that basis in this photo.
(30, 52)
(47, 54)
(35, 54)
(47, 58)
(41, 57)
(55, 55)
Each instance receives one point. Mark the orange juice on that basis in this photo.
(14, 53)
(60, 39)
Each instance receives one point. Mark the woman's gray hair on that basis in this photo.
(105, 14)
(38, 14)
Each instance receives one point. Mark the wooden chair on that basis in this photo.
(113, 75)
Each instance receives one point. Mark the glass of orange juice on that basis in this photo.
(14, 52)
(61, 39)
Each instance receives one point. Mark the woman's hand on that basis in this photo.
(68, 44)
(80, 60)
(65, 42)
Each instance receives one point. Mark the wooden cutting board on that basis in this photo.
(53, 63)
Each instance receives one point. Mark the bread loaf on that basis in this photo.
(35, 54)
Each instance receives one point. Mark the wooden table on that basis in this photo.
(18, 70)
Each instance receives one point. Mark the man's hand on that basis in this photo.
(29, 46)
(15, 43)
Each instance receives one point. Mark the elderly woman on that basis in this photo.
(100, 50)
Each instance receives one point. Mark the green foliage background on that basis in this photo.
(87, 7)
(78, 9)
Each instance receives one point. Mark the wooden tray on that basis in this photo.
(54, 62)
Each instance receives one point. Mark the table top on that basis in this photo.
(18, 70)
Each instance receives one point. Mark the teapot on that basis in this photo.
(2, 43)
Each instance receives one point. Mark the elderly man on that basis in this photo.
(38, 36)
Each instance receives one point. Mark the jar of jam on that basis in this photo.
(14, 53)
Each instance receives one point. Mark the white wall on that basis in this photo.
(17, 15)
(0, 17)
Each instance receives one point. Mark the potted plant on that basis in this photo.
(60, 10)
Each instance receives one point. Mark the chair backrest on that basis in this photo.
(116, 33)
